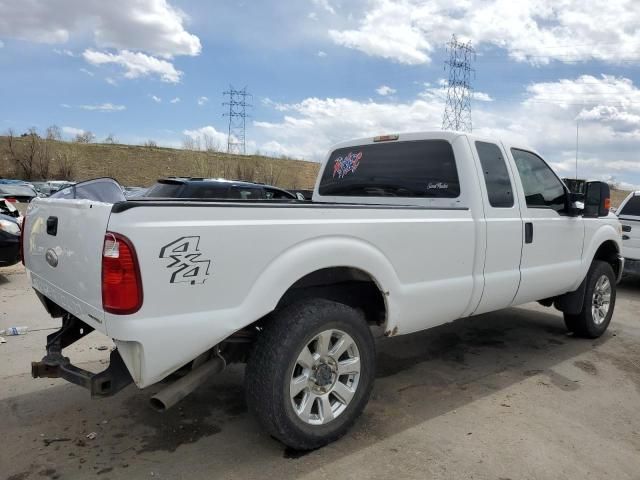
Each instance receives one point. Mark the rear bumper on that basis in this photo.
(55, 365)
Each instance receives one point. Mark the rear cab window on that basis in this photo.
(421, 168)
(496, 175)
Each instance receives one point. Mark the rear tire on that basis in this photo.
(598, 304)
(311, 372)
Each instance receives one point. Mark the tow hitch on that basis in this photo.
(55, 365)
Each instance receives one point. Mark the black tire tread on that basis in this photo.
(282, 333)
(581, 324)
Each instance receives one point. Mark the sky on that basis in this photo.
(324, 71)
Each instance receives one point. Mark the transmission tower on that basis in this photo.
(457, 111)
(237, 103)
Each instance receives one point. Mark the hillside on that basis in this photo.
(141, 166)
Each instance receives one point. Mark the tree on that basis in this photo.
(65, 162)
(54, 133)
(150, 143)
(84, 137)
(191, 143)
(30, 154)
(110, 139)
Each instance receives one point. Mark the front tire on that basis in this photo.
(598, 304)
(311, 372)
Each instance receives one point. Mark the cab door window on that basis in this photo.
(542, 188)
(496, 175)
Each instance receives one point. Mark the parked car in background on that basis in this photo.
(629, 215)
(20, 194)
(57, 185)
(189, 187)
(7, 208)
(134, 192)
(9, 240)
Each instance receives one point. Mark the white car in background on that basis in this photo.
(629, 215)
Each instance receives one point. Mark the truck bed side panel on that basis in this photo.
(215, 269)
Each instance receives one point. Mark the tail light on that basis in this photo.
(121, 283)
(11, 199)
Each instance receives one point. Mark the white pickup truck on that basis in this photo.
(404, 231)
(629, 215)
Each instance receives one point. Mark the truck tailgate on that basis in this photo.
(63, 241)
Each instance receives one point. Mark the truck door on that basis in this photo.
(504, 229)
(553, 240)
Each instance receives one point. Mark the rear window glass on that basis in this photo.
(164, 190)
(632, 207)
(424, 168)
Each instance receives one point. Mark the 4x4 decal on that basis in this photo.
(187, 264)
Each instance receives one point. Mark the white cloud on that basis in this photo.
(544, 116)
(72, 131)
(537, 31)
(136, 64)
(104, 107)
(385, 90)
(202, 100)
(312, 16)
(64, 51)
(207, 137)
(152, 26)
(88, 72)
(322, 54)
(325, 5)
(175, 100)
(482, 97)
(65, 105)
(111, 81)
(156, 99)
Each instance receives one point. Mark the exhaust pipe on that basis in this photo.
(169, 396)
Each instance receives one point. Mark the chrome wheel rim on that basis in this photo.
(325, 377)
(601, 300)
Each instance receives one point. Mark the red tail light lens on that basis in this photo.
(10, 199)
(121, 283)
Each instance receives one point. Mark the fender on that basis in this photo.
(604, 233)
(571, 302)
(316, 254)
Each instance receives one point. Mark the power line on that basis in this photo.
(236, 137)
(457, 111)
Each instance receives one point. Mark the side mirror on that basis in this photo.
(597, 200)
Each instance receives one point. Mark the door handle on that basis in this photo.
(528, 232)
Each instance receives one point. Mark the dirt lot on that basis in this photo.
(507, 395)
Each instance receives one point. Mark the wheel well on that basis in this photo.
(348, 285)
(608, 252)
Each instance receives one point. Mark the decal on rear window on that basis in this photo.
(342, 166)
(188, 266)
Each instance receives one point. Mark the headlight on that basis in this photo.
(9, 227)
